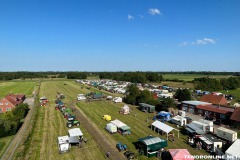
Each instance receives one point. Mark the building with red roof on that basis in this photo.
(10, 101)
(214, 99)
(235, 118)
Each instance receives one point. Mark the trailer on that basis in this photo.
(146, 107)
(63, 144)
(208, 123)
(205, 127)
(117, 100)
(81, 97)
(227, 134)
(179, 120)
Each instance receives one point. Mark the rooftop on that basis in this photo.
(195, 103)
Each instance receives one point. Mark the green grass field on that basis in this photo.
(50, 124)
(4, 142)
(20, 87)
(190, 77)
(140, 128)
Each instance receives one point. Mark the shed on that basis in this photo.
(180, 154)
(233, 151)
(163, 127)
(146, 107)
(151, 145)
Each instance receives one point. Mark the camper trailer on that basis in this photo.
(203, 126)
(179, 120)
(117, 100)
(81, 97)
(63, 144)
(227, 134)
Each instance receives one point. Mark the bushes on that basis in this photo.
(10, 121)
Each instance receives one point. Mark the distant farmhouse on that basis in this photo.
(10, 101)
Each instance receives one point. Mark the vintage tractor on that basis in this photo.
(121, 146)
(70, 124)
(129, 155)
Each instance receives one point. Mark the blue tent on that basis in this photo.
(164, 116)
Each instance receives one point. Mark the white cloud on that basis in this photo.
(154, 11)
(203, 41)
(130, 17)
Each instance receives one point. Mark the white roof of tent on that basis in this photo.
(153, 140)
(234, 149)
(118, 123)
(75, 132)
(162, 126)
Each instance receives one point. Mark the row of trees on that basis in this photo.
(136, 96)
(10, 121)
(77, 75)
(135, 77)
(212, 84)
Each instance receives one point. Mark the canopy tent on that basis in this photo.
(118, 123)
(163, 127)
(75, 132)
(233, 150)
(125, 109)
(180, 154)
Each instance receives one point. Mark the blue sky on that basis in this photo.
(120, 35)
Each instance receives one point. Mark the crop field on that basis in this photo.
(23, 87)
(50, 124)
(190, 77)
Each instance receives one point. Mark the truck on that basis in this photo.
(227, 134)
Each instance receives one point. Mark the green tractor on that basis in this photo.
(70, 124)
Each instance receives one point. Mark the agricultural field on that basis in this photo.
(24, 87)
(190, 77)
(235, 93)
(4, 142)
(50, 124)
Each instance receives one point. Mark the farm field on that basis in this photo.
(50, 124)
(235, 93)
(190, 77)
(176, 84)
(25, 87)
(4, 142)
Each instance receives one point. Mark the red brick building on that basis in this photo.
(10, 101)
(214, 99)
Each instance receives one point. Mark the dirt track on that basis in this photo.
(98, 136)
(10, 151)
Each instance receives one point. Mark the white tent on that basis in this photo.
(233, 151)
(163, 127)
(125, 109)
(118, 123)
(75, 132)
